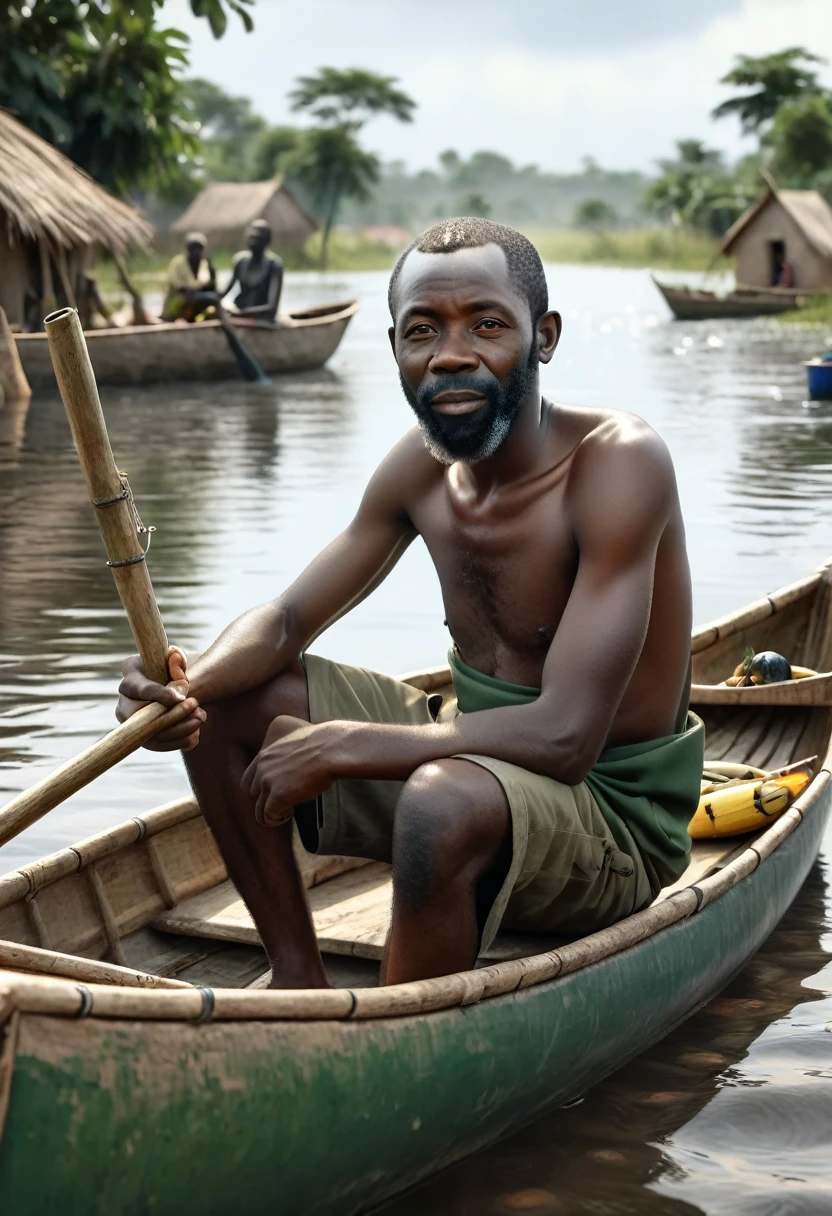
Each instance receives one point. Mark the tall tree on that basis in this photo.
(100, 80)
(696, 191)
(228, 130)
(772, 80)
(801, 141)
(272, 149)
(329, 161)
(331, 165)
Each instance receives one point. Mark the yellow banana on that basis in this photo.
(801, 673)
(744, 807)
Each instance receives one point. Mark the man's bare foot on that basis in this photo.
(287, 975)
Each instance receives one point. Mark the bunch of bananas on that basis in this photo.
(738, 798)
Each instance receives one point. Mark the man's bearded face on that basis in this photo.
(474, 436)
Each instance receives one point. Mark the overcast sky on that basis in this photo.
(543, 81)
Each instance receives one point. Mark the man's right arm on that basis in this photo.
(268, 638)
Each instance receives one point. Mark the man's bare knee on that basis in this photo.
(451, 820)
(246, 718)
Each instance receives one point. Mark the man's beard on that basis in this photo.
(475, 436)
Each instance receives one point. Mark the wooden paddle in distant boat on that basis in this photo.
(248, 365)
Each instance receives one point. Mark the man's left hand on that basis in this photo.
(294, 765)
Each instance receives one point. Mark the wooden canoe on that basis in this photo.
(183, 1085)
(691, 304)
(174, 350)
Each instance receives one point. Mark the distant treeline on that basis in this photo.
(490, 185)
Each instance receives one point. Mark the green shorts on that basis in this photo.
(567, 873)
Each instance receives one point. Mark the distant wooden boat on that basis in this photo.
(693, 304)
(183, 1085)
(173, 350)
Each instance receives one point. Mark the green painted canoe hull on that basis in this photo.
(109, 1117)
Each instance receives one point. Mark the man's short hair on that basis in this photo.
(468, 232)
(261, 226)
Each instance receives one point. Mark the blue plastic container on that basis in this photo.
(819, 374)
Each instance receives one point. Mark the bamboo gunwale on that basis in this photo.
(755, 613)
(18, 957)
(30, 879)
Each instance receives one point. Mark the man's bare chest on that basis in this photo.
(506, 576)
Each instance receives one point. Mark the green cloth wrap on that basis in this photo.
(647, 792)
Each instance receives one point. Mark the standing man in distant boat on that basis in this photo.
(258, 274)
(553, 791)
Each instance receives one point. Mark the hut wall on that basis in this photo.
(753, 252)
(14, 275)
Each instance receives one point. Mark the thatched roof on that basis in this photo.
(807, 208)
(44, 195)
(224, 207)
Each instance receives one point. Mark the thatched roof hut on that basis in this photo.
(224, 210)
(51, 217)
(795, 225)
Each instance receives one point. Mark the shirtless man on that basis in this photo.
(259, 276)
(558, 796)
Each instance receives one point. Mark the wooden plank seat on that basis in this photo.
(351, 912)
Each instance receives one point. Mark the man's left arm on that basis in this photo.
(621, 495)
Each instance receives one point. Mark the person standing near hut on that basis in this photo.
(191, 282)
(259, 275)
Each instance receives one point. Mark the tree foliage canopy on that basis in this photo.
(101, 81)
(349, 96)
(773, 80)
(696, 190)
(801, 142)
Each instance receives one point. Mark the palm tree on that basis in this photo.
(331, 164)
(329, 161)
(775, 79)
(349, 96)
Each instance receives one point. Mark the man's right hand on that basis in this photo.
(137, 690)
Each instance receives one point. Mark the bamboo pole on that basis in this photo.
(13, 383)
(35, 802)
(107, 489)
(117, 522)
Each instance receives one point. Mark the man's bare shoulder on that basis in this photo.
(621, 472)
(406, 473)
(615, 439)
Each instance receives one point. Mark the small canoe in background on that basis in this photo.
(174, 350)
(692, 304)
(158, 1075)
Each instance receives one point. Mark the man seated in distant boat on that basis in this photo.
(191, 282)
(553, 792)
(258, 274)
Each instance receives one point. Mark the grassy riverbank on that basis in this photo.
(659, 248)
(817, 312)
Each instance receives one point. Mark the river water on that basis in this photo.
(732, 1113)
